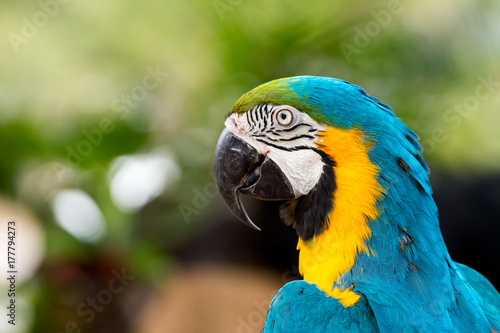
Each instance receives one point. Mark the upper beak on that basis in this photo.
(239, 168)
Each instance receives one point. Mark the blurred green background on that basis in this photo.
(110, 113)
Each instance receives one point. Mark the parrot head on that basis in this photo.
(317, 143)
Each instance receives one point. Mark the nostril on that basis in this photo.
(253, 177)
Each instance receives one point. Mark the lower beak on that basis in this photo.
(239, 168)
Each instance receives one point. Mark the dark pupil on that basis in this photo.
(283, 116)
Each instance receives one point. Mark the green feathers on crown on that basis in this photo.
(277, 92)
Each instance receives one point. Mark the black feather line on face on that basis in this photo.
(297, 137)
(294, 127)
(309, 213)
(283, 148)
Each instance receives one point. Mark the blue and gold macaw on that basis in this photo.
(357, 192)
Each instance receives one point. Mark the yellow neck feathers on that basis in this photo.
(332, 253)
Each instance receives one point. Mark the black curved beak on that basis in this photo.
(239, 168)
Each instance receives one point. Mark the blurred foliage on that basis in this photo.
(420, 58)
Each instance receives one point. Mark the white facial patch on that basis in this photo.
(288, 143)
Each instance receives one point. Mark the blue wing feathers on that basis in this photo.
(300, 307)
(483, 292)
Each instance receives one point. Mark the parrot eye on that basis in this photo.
(284, 117)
